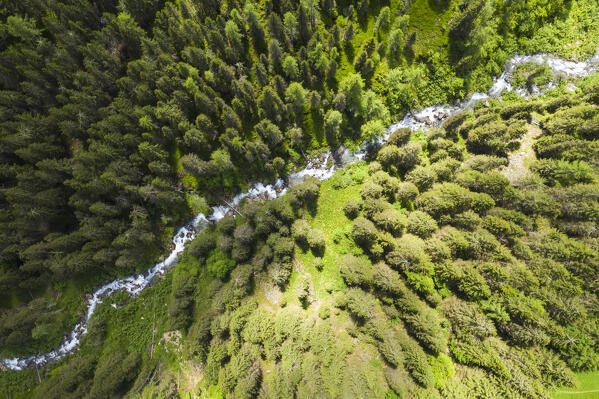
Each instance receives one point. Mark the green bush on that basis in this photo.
(390, 348)
(482, 202)
(300, 230)
(400, 137)
(563, 172)
(219, 264)
(352, 207)
(201, 246)
(425, 326)
(444, 169)
(389, 184)
(390, 220)
(408, 255)
(371, 190)
(316, 241)
(318, 263)
(226, 225)
(363, 232)
(415, 360)
(305, 194)
(387, 280)
(437, 249)
(409, 156)
(356, 270)
(421, 224)
(422, 177)
(483, 163)
(468, 220)
(360, 304)
(113, 373)
(445, 199)
(407, 191)
(452, 123)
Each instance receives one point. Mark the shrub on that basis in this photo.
(444, 198)
(389, 184)
(536, 202)
(563, 172)
(422, 177)
(201, 246)
(352, 207)
(409, 156)
(113, 373)
(417, 363)
(360, 304)
(407, 191)
(363, 232)
(219, 264)
(371, 190)
(370, 207)
(489, 138)
(305, 194)
(482, 202)
(318, 263)
(389, 156)
(483, 163)
(374, 167)
(452, 123)
(226, 225)
(300, 230)
(400, 137)
(445, 169)
(316, 242)
(387, 279)
(421, 224)
(468, 220)
(408, 254)
(437, 249)
(356, 270)
(390, 220)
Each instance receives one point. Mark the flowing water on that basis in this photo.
(318, 167)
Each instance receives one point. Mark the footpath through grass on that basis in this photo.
(588, 387)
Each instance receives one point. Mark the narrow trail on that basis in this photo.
(578, 392)
(519, 161)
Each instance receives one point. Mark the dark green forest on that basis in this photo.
(438, 267)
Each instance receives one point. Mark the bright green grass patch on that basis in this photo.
(588, 388)
(429, 21)
(332, 221)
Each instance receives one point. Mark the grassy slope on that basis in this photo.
(587, 382)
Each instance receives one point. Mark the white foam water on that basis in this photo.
(317, 167)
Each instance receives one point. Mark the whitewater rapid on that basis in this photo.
(318, 167)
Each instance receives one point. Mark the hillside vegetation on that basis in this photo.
(420, 273)
(431, 269)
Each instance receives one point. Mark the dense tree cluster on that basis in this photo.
(120, 119)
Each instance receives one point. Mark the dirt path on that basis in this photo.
(519, 161)
(577, 392)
